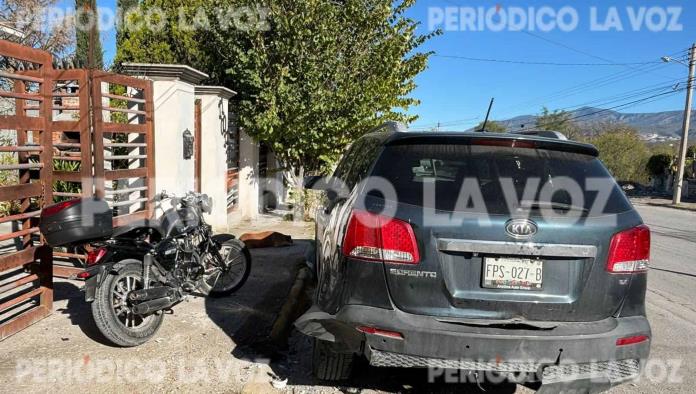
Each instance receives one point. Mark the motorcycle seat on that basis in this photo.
(138, 224)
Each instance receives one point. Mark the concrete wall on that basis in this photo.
(174, 103)
(214, 156)
(174, 94)
(274, 180)
(248, 178)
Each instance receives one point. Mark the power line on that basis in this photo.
(538, 63)
(622, 105)
(590, 84)
(562, 45)
(602, 101)
(645, 100)
(595, 83)
(582, 87)
(631, 93)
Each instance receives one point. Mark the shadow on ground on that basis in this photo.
(77, 309)
(248, 317)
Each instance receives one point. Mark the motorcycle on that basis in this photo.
(138, 272)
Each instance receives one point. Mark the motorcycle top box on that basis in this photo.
(76, 221)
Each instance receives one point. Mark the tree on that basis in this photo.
(622, 151)
(136, 42)
(123, 9)
(25, 24)
(666, 148)
(558, 120)
(316, 76)
(691, 152)
(86, 11)
(659, 164)
(492, 127)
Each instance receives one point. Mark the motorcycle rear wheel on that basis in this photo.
(112, 313)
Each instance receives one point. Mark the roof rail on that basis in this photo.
(390, 127)
(543, 133)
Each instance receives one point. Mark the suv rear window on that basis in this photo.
(409, 167)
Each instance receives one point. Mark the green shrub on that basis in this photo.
(63, 186)
(659, 164)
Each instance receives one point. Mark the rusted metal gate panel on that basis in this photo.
(72, 153)
(123, 138)
(72, 139)
(26, 284)
(63, 134)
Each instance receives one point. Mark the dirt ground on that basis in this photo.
(206, 345)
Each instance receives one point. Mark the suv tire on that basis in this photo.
(327, 364)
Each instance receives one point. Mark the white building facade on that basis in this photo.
(226, 166)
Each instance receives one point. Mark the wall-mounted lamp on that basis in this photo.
(188, 144)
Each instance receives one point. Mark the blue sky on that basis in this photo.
(455, 92)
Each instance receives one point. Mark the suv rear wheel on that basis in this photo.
(327, 364)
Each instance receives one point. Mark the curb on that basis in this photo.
(677, 207)
(295, 305)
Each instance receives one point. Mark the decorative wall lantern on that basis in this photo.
(188, 144)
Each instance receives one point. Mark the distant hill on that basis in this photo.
(652, 126)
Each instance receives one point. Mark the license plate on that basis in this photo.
(512, 273)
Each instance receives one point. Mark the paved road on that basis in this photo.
(671, 302)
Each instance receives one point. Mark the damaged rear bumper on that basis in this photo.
(569, 356)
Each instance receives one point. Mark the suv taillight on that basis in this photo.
(629, 251)
(375, 237)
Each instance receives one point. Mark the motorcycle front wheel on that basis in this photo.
(112, 312)
(237, 260)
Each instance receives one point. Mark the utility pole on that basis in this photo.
(685, 128)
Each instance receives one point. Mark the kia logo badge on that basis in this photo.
(521, 228)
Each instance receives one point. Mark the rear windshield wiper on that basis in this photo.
(553, 205)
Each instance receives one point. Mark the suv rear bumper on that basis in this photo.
(568, 355)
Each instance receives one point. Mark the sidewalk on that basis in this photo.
(266, 222)
(663, 202)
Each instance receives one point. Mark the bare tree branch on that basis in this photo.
(27, 22)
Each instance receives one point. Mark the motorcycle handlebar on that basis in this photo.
(175, 200)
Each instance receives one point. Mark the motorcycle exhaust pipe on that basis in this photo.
(153, 305)
(150, 294)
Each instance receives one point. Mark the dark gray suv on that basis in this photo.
(502, 255)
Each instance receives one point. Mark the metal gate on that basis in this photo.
(26, 284)
(123, 138)
(63, 134)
